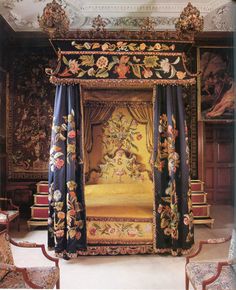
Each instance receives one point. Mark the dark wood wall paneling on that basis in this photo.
(219, 162)
(216, 141)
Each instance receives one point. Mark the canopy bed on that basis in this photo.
(119, 171)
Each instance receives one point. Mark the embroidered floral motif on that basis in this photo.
(123, 66)
(74, 222)
(165, 65)
(180, 75)
(121, 165)
(66, 217)
(123, 46)
(119, 230)
(169, 159)
(150, 61)
(118, 132)
(73, 66)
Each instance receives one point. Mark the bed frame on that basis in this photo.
(170, 51)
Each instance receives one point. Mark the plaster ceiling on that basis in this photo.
(22, 14)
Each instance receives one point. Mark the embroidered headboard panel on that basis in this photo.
(121, 167)
(119, 132)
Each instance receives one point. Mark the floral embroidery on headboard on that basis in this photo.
(121, 167)
(120, 132)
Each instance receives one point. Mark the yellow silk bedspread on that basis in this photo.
(119, 200)
(119, 213)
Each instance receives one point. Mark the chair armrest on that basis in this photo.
(220, 265)
(7, 267)
(207, 242)
(232, 261)
(34, 245)
(5, 213)
(13, 268)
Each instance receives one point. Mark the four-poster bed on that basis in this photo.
(119, 171)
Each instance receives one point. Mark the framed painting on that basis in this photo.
(216, 84)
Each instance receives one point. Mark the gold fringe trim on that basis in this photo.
(92, 52)
(113, 83)
(123, 250)
(119, 242)
(133, 104)
(154, 226)
(108, 251)
(117, 219)
(175, 253)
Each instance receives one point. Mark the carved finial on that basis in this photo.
(190, 20)
(54, 20)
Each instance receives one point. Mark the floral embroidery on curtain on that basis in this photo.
(67, 229)
(174, 218)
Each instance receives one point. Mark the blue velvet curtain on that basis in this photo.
(67, 227)
(173, 208)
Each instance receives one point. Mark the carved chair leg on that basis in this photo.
(186, 282)
(58, 284)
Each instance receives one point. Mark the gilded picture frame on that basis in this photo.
(215, 84)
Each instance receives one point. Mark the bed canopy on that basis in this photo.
(94, 78)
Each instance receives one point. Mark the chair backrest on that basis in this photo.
(3, 203)
(5, 252)
(232, 248)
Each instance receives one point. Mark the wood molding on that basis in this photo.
(201, 142)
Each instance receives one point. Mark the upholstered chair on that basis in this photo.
(8, 213)
(209, 275)
(12, 276)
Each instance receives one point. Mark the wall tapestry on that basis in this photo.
(3, 78)
(216, 86)
(190, 104)
(29, 116)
